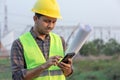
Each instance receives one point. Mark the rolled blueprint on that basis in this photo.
(80, 37)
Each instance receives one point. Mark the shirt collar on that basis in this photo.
(36, 37)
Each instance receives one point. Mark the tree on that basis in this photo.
(111, 47)
(97, 47)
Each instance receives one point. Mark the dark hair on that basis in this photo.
(38, 15)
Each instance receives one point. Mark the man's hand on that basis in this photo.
(66, 67)
(52, 61)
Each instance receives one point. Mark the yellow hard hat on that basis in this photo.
(47, 7)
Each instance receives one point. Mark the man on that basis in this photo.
(35, 55)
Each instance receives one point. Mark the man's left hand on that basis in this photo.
(66, 67)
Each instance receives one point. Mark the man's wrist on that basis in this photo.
(70, 72)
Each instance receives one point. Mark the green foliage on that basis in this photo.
(97, 47)
(5, 71)
(93, 75)
(88, 48)
(96, 70)
(111, 47)
(113, 72)
(83, 70)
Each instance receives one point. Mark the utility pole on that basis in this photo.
(0, 31)
(0, 38)
(94, 33)
(109, 33)
(101, 33)
(5, 30)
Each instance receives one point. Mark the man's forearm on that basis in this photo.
(32, 73)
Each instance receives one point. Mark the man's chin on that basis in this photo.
(45, 33)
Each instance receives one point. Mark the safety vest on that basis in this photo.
(34, 57)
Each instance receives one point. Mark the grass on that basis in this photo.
(96, 70)
(5, 71)
(83, 70)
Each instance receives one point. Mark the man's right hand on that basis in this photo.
(52, 61)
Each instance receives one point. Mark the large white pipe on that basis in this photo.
(80, 37)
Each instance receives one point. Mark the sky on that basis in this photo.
(102, 13)
(93, 12)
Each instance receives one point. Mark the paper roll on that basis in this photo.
(81, 36)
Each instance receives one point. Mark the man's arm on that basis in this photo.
(32, 73)
(17, 61)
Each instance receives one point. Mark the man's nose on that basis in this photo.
(50, 24)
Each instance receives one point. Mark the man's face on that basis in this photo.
(44, 24)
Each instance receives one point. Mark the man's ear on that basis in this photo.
(35, 18)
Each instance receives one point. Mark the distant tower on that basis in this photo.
(101, 33)
(5, 19)
(0, 33)
(109, 33)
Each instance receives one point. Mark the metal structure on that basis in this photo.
(5, 19)
(0, 32)
(101, 32)
(6, 36)
(0, 38)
